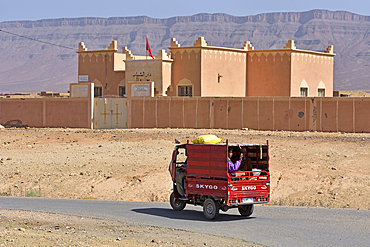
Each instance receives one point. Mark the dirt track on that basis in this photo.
(307, 168)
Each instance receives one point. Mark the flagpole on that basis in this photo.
(146, 48)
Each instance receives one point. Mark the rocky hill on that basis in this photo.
(29, 66)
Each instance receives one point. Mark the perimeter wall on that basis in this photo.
(270, 113)
(73, 112)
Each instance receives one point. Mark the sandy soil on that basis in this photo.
(307, 168)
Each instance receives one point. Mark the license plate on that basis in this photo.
(247, 199)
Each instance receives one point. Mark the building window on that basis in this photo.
(303, 92)
(321, 92)
(185, 91)
(122, 91)
(98, 92)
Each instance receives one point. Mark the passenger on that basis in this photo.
(246, 162)
(233, 161)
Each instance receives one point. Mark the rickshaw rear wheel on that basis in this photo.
(246, 210)
(176, 204)
(210, 208)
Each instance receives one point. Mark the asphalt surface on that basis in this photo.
(268, 225)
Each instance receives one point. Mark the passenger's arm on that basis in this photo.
(233, 167)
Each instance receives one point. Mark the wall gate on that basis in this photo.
(110, 113)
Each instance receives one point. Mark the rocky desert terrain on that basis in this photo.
(307, 169)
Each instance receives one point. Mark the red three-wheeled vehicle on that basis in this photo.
(200, 177)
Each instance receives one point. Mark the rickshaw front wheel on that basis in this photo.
(176, 204)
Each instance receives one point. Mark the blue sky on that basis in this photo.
(12, 10)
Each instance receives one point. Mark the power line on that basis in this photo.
(66, 47)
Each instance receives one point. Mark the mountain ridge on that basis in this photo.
(273, 17)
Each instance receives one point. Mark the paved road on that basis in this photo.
(270, 225)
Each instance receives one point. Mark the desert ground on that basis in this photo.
(312, 169)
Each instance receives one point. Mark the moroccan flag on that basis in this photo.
(148, 48)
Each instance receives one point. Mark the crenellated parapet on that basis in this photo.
(247, 46)
(126, 51)
(174, 43)
(162, 55)
(81, 46)
(200, 42)
(290, 45)
(113, 45)
(330, 49)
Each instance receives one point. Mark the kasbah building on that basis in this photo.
(208, 71)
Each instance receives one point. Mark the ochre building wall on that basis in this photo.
(312, 69)
(223, 72)
(100, 69)
(186, 70)
(104, 68)
(268, 73)
(155, 70)
(267, 113)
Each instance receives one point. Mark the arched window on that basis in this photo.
(303, 89)
(185, 88)
(321, 90)
(98, 92)
(185, 91)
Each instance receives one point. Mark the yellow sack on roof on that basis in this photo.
(206, 139)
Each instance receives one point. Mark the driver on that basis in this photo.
(179, 179)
